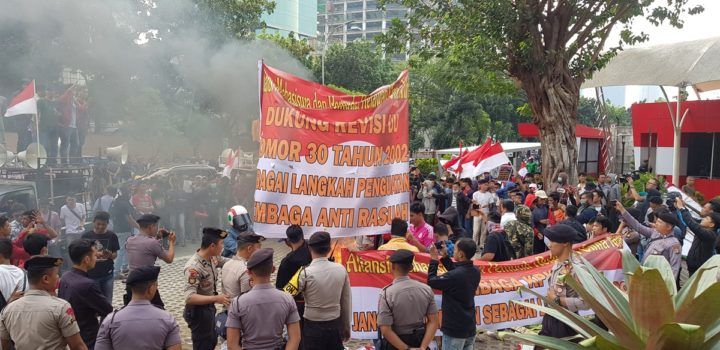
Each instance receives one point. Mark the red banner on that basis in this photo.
(330, 161)
(371, 271)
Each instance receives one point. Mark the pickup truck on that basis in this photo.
(17, 191)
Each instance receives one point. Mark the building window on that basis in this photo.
(357, 16)
(353, 37)
(396, 14)
(703, 154)
(337, 18)
(355, 6)
(588, 156)
(371, 5)
(369, 26)
(369, 15)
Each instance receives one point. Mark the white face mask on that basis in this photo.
(547, 241)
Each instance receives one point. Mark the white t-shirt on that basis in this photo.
(12, 278)
(484, 199)
(73, 225)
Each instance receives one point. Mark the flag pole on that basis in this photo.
(37, 119)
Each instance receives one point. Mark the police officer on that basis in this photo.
(404, 305)
(257, 318)
(326, 288)
(40, 320)
(559, 238)
(201, 272)
(140, 325)
(235, 280)
(146, 247)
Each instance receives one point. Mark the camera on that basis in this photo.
(670, 200)
(165, 233)
(635, 175)
(439, 245)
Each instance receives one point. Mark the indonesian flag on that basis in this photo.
(229, 162)
(23, 103)
(488, 158)
(454, 160)
(523, 170)
(467, 161)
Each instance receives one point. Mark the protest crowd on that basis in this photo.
(455, 221)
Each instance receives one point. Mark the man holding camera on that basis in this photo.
(145, 248)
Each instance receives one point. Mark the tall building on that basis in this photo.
(293, 16)
(346, 21)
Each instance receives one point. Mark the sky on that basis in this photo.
(700, 26)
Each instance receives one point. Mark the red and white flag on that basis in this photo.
(454, 160)
(484, 158)
(23, 103)
(523, 170)
(466, 162)
(229, 164)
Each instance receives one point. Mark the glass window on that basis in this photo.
(373, 15)
(371, 5)
(703, 154)
(373, 25)
(353, 37)
(357, 16)
(396, 13)
(337, 18)
(355, 6)
(588, 156)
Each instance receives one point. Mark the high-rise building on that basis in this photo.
(293, 16)
(346, 21)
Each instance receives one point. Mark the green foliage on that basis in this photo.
(223, 19)
(300, 49)
(445, 109)
(652, 314)
(358, 66)
(588, 113)
(427, 165)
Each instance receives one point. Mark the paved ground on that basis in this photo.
(171, 282)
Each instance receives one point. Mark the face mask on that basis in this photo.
(547, 241)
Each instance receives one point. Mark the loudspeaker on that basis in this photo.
(119, 152)
(31, 155)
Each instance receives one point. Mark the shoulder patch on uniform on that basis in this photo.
(70, 312)
(192, 276)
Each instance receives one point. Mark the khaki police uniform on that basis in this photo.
(139, 325)
(201, 278)
(404, 305)
(326, 288)
(38, 320)
(571, 299)
(235, 279)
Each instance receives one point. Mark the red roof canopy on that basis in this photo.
(530, 130)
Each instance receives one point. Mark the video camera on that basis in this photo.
(635, 175)
(670, 200)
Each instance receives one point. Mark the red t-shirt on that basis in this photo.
(19, 255)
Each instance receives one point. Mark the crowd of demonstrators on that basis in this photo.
(63, 116)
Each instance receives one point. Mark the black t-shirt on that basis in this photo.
(119, 211)
(495, 244)
(290, 264)
(105, 241)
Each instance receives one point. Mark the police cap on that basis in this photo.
(259, 257)
(42, 263)
(560, 233)
(249, 237)
(143, 274)
(214, 232)
(320, 238)
(402, 256)
(667, 217)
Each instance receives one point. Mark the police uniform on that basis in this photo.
(667, 246)
(571, 299)
(235, 280)
(326, 288)
(201, 278)
(143, 250)
(39, 320)
(139, 325)
(262, 313)
(405, 303)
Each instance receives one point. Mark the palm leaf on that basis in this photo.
(703, 278)
(650, 302)
(630, 264)
(674, 336)
(663, 266)
(613, 295)
(703, 310)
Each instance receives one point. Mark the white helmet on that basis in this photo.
(239, 218)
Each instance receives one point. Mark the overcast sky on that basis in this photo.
(701, 26)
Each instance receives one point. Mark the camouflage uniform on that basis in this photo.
(520, 232)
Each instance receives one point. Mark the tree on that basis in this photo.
(549, 47)
(299, 48)
(357, 66)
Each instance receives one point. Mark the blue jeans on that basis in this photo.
(106, 287)
(468, 226)
(121, 263)
(450, 343)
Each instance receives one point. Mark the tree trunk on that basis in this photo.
(554, 103)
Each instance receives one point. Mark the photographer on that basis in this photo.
(146, 247)
(703, 245)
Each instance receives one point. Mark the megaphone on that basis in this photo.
(120, 152)
(32, 154)
(222, 158)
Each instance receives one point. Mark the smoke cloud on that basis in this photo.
(130, 48)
